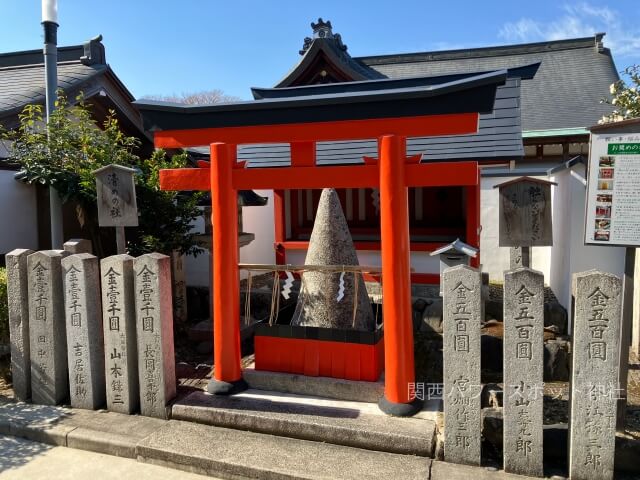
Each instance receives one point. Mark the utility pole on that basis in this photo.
(50, 26)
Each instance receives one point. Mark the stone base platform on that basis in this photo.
(338, 389)
(230, 453)
(353, 424)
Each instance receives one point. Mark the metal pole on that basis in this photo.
(625, 335)
(121, 243)
(51, 85)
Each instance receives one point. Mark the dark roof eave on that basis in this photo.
(524, 72)
(615, 125)
(481, 52)
(321, 45)
(475, 94)
(40, 99)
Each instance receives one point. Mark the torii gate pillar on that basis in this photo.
(227, 376)
(396, 279)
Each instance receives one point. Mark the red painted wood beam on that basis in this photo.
(358, 176)
(179, 179)
(423, 126)
(442, 174)
(303, 154)
(353, 176)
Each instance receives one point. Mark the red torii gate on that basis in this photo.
(392, 173)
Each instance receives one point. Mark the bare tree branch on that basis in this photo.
(197, 98)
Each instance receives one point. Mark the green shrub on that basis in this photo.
(4, 308)
(75, 147)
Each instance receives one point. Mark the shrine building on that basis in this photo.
(537, 127)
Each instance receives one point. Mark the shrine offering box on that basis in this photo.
(320, 352)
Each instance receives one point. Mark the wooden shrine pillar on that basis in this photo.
(227, 378)
(473, 218)
(396, 279)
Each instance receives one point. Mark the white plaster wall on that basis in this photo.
(559, 279)
(257, 220)
(261, 222)
(18, 214)
(570, 250)
(197, 269)
(495, 259)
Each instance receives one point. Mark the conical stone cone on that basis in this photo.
(331, 244)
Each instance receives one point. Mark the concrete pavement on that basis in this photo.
(22, 459)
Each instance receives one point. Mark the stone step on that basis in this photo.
(339, 389)
(341, 423)
(229, 453)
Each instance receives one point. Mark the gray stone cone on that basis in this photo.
(331, 244)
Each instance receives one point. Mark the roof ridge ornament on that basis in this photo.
(93, 52)
(323, 30)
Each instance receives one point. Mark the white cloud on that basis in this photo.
(578, 20)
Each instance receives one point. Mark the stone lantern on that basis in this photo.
(456, 253)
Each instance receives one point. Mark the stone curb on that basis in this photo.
(49, 434)
(124, 446)
(149, 447)
(102, 442)
(63, 428)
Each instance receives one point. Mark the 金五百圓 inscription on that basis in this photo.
(594, 389)
(461, 330)
(523, 371)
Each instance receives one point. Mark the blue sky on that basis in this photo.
(170, 47)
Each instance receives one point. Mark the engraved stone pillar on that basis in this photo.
(523, 371)
(119, 325)
(179, 287)
(462, 299)
(78, 245)
(48, 345)
(154, 329)
(84, 331)
(594, 381)
(17, 294)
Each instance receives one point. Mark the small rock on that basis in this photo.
(556, 361)
(492, 427)
(491, 322)
(627, 454)
(432, 317)
(491, 396)
(493, 309)
(418, 308)
(555, 314)
(419, 305)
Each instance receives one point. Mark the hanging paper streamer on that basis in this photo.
(375, 198)
(288, 283)
(341, 288)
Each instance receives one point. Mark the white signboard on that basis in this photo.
(613, 190)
